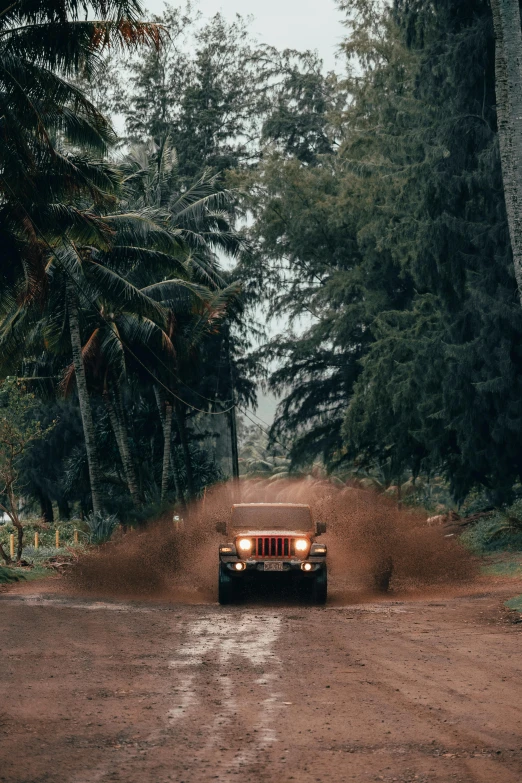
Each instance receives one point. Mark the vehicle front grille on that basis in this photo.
(273, 546)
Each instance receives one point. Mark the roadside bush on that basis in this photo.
(40, 555)
(499, 532)
(100, 527)
(45, 532)
(7, 576)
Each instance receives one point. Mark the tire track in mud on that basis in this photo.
(240, 651)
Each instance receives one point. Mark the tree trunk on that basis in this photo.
(508, 87)
(167, 450)
(175, 475)
(182, 429)
(46, 508)
(130, 468)
(234, 452)
(15, 519)
(167, 435)
(119, 428)
(20, 541)
(4, 555)
(233, 443)
(64, 510)
(232, 417)
(83, 399)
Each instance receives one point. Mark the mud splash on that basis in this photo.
(372, 546)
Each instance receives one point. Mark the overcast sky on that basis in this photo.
(292, 24)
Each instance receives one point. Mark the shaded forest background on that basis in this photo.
(363, 209)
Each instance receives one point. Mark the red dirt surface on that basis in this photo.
(129, 671)
(422, 690)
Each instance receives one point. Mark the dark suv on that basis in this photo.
(268, 538)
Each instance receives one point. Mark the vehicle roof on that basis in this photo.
(285, 505)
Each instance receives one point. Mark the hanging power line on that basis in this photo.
(265, 431)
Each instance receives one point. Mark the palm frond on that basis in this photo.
(121, 293)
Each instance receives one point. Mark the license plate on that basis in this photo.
(273, 566)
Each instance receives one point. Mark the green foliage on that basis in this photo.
(389, 253)
(53, 136)
(499, 532)
(152, 304)
(201, 88)
(375, 229)
(100, 527)
(7, 576)
(49, 484)
(257, 457)
(46, 535)
(39, 557)
(18, 425)
(310, 263)
(440, 384)
(132, 247)
(19, 429)
(515, 604)
(503, 565)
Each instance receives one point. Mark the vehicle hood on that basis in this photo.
(281, 533)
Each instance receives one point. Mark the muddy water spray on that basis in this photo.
(371, 545)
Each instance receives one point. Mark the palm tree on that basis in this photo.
(131, 286)
(201, 216)
(83, 397)
(43, 182)
(98, 306)
(260, 458)
(42, 46)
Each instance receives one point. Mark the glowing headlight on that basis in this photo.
(245, 544)
(301, 545)
(240, 566)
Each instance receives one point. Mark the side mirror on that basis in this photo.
(221, 527)
(320, 528)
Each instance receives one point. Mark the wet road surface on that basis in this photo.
(426, 690)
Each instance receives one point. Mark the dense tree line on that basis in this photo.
(116, 307)
(373, 210)
(113, 296)
(393, 246)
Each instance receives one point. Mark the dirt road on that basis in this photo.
(427, 691)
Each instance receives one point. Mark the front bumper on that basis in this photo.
(257, 565)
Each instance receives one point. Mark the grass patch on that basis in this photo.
(32, 574)
(506, 565)
(509, 565)
(499, 532)
(515, 604)
(7, 576)
(46, 533)
(43, 553)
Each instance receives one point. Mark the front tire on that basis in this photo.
(320, 587)
(226, 587)
(382, 575)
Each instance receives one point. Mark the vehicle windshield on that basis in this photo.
(272, 517)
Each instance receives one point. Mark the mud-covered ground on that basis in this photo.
(128, 670)
(407, 689)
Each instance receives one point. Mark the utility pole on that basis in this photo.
(233, 442)
(232, 415)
